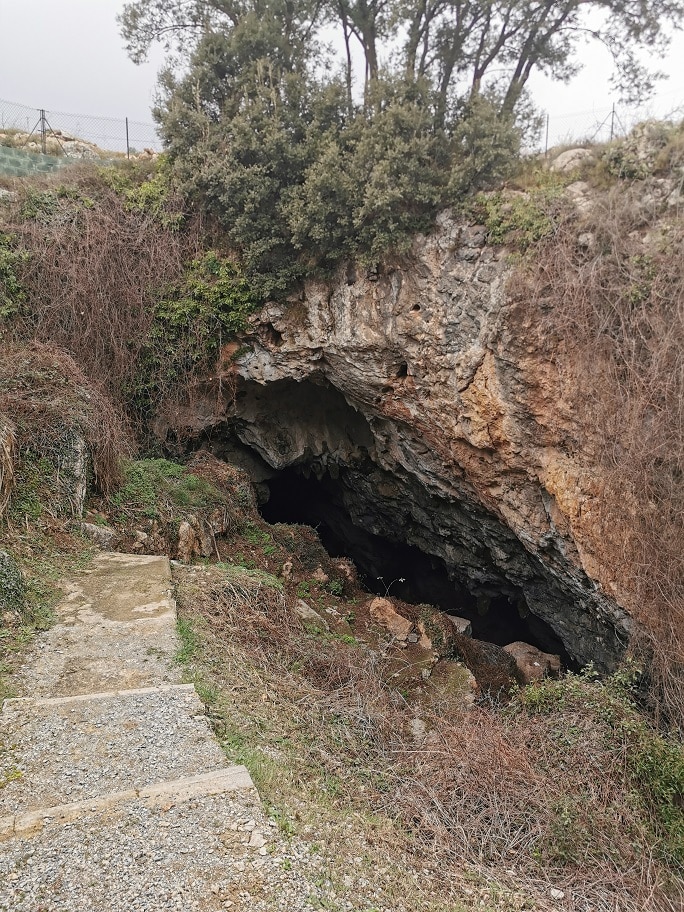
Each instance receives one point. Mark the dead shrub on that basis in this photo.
(48, 397)
(7, 457)
(95, 269)
(609, 313)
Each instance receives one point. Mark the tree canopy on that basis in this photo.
(460, 46)
(318, 129)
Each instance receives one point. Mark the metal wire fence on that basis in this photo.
(599, 125)
(58, 131)
(55, 131)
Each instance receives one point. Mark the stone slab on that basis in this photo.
(217, 782)
(64, 750)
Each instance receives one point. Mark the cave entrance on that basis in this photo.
(394, 567)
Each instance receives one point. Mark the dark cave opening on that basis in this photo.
(403, 570)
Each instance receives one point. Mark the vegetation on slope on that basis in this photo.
(449, 805)
(65, 436)
(602, 296)
(112, 268)
(564, 786)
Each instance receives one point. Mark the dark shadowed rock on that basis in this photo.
(492, 667)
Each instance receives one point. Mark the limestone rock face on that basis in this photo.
(418, 394)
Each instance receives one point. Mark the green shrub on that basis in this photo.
(653, 768)
(522, 219)
(147, 189)
(36, 488)
(61, 204)
(12, 588)
(191, 322)
(12, 258)
(156, 489)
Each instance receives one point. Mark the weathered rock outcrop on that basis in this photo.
(420, 397)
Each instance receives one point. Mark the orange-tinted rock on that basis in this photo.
(383, 613)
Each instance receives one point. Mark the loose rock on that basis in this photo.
(533, 664)
(383, 612)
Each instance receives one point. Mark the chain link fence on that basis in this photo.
(58, 132)
(597, 126)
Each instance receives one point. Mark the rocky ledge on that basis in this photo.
(418, 404)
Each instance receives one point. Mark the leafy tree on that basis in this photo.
(456, 44)
(265, 131)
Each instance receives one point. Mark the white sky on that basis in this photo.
(67, 55)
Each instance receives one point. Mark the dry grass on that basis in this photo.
(533, 796)
(611, 316)
(49, 397)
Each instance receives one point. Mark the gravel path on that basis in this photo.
(105, 744)
(97, 811)
(211, 853)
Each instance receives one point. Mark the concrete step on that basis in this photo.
(116, 630)
(115, 796)
(68, 749)
(160, 794)
(154, 853)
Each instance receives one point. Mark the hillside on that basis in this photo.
(371, 485)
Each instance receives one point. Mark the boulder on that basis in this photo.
(461, 625)
(310, 617)
(104, 537)
(570, 160)
(581, 194)
(193, 540)
(453, 682)
(494, 669)
(533, 664)
(383, 613)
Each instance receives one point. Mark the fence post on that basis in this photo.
(43, 131)
(612, 122)
(128, 145)
(546, 141)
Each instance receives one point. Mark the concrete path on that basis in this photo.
(114, 793)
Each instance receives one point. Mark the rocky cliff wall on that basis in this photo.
(421, 395)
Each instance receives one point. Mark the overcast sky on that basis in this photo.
(67, 55)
